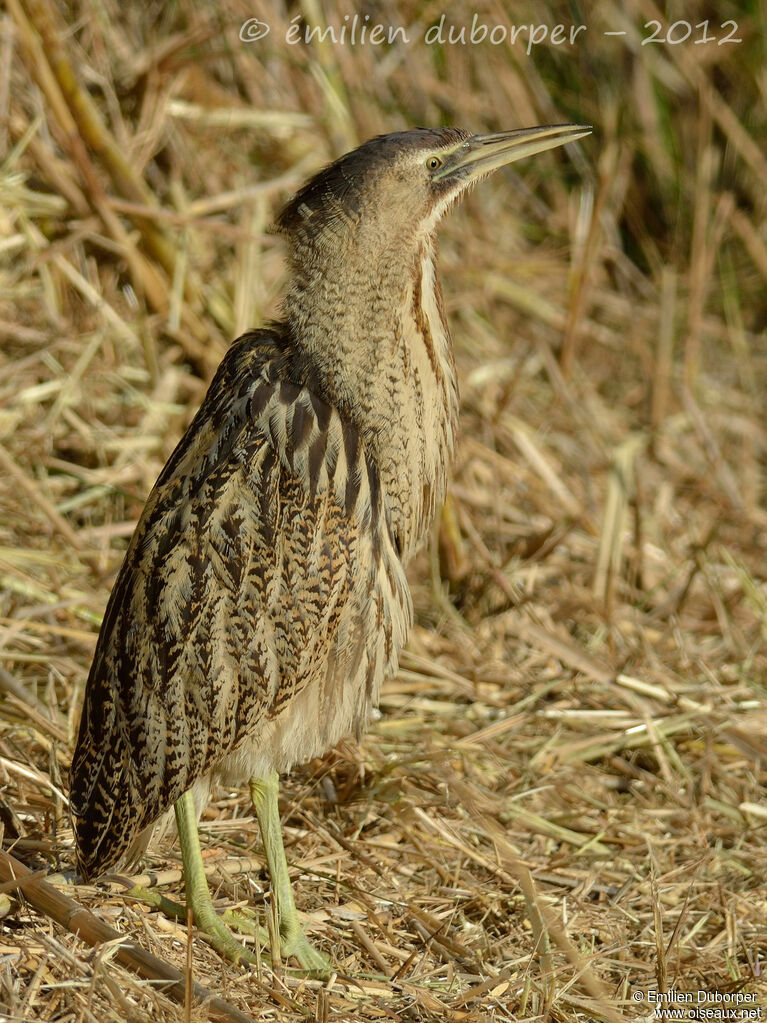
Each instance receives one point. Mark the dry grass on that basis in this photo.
(562, 802)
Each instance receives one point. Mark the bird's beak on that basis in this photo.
(481, 154)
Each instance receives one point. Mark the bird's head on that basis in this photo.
(398, 186)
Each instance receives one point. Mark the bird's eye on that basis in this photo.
(433, 162)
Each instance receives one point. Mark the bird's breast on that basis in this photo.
(414, 446)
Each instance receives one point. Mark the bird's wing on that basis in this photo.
(233, 596)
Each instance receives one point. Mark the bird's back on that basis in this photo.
(260, 604)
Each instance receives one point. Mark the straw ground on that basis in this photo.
(560, 809)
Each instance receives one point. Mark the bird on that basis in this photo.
(263, 600)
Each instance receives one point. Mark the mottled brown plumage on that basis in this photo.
(262, 600)
(261, 576)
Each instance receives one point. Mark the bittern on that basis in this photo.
(263, 599)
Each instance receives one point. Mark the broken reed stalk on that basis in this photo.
(52, 903)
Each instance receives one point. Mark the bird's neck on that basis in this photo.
(372, 337)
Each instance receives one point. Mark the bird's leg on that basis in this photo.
(293, 941)
(198, 897)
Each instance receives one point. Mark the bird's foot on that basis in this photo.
(244, 921)
(208, 922)
(297, 946)
(221, 938)
(216, 930)
(295, 943)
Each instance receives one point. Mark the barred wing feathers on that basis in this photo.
(261, 576)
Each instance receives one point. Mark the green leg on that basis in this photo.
(198, 898)
(293, 941)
